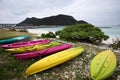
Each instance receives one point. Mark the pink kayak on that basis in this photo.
(23, 44)
(45, 52)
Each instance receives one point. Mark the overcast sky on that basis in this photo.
(98, 12)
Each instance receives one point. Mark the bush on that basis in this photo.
(83, 32)
(48, 35)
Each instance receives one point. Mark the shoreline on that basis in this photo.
(111, 40)
(39, 32)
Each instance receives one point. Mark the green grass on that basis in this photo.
(8, 34)
(10, 67)
(75, 69)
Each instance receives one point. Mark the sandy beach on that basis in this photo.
(38, 31)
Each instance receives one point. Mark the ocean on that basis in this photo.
(111, 31)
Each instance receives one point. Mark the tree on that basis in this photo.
(83, 32)
(48, 35)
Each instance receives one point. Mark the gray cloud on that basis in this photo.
(93, 11)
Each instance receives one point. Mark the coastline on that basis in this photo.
(39, 32)
(45, 30)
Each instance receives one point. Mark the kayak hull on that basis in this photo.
(53, 60)
(36, 54)
(11, 40)
(103, 65)
(33, 48)
(23, 44)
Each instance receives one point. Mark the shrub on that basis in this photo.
(48, 35)
(83, 32)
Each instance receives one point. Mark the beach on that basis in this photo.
(111, 40)
(37, 31)
(45, 30)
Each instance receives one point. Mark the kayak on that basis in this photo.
(23, 44)
(45, 52)
(103, 65)
(11, 40)
(33, 48)
(53, 60)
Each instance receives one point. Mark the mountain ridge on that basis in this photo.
(60, 19)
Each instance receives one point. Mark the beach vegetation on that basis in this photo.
(83, 32)
(5, 34)
(48, 35)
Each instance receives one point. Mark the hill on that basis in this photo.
(52, 20)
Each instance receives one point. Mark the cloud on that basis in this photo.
(92, 11)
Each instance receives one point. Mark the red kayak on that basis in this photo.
(23, 44)
(45, 52)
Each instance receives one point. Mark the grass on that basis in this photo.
(8, 34)
(75, 69)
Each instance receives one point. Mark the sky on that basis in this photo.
(97, 12)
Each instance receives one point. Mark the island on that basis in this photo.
(59, 20)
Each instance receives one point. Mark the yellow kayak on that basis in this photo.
(53, 60)
(33, 48)
(103, 65)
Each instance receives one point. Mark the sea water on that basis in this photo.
(113, 32)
